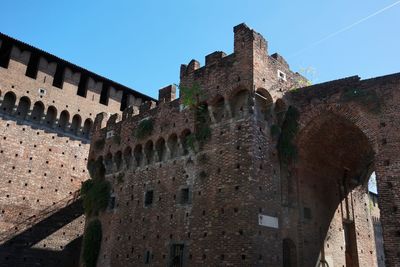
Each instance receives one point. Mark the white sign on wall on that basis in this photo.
(268, 221)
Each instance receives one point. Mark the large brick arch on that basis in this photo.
(336, 149)
(325, 126)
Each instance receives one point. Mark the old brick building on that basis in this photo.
(47, 108)
(254, 172)
(280, 178)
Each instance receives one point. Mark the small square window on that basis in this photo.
(307, 213)
(281, 75)
(148, 198)
(109, 134)
(42, 91)
(185, 196)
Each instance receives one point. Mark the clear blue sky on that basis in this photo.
(142, 43)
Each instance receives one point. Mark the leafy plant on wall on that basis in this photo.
(190, 98)
(95, 194)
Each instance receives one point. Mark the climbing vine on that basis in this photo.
(202, 131)
(95, 194)
(286, 148)
(91, 243)
(144, 128)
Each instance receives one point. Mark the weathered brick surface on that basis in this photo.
(320, 198)
(43, 160)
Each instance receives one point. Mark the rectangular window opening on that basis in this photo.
(307, 213)
(176, 259)
(147, 257)
(148, 198)
(185, 196)
(281, 75)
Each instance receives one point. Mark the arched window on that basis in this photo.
(64, 119)
(218, 108)
(173, 146)
(37, 111)
(76, 124)
(87, 127)
(186, 141)
(240, 103)
(128, 157)
(264, 103)
(23, 107)
(160, 148)
(51, 116)
(138, 154)
(109, 163)
(8, 102)
(149, 152)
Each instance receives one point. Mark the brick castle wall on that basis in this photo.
(45, 132)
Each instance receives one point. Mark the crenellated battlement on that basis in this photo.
(249, 67)
(56, 73)
(226, 80)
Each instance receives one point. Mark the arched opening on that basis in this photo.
(334, 163)
(109, 163)
(76, 124)
(289, 253)
(8, 102)
(149, 152)
(23, 107)
(51, 116)
(118, 160)
(87, 127)
(160, 148)
(128, 157)
(64, 120)
(138, 154)
(240, 103)
(37, 111)
(376, 219)
(173, 146)
(186, 141)
(263, 104)
(218, 108)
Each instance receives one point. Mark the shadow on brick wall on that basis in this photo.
(19, 251)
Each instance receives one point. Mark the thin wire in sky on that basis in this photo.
(345, 28)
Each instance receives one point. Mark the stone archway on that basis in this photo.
(334, 162)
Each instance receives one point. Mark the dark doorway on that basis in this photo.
(176, 255)
(289, 253)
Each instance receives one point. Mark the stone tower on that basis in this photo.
(247, 168)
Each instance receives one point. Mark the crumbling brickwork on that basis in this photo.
(282, 180)
(47, 108)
